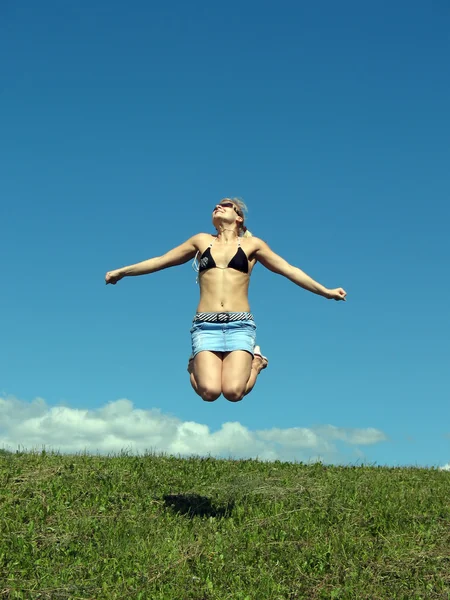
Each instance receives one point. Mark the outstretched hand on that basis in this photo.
(113, 277)
(337, 294)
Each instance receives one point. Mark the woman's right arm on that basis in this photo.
(177, 256)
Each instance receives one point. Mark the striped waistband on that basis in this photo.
(222, 317)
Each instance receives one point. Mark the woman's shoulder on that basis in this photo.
(252, 245)
(203, 236)
(252, 241)
(200, 239)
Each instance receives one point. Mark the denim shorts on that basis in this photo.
(222, 333)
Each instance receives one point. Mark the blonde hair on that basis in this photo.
(242, 210)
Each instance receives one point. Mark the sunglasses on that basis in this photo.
(229, 205)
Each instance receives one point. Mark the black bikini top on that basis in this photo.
(239, 262)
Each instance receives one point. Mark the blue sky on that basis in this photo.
(123, 124)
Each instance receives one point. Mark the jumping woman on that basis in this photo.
(225, 359)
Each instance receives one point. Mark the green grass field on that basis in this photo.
(164, 528)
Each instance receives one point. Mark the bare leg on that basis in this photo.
(206, 375)
(232, 373)
(258, 365)
(239, 373)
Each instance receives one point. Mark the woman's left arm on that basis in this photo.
(277, 264)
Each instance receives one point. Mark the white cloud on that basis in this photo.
(118, 426)
(445, 467)
(362, 437)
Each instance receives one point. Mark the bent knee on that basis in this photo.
(234, 395)
(209, 394)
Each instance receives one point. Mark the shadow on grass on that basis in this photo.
(194, 505)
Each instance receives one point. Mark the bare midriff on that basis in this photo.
(223, 290)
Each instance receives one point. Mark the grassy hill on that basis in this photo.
(164, 528)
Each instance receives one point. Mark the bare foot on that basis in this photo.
(260, 362)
